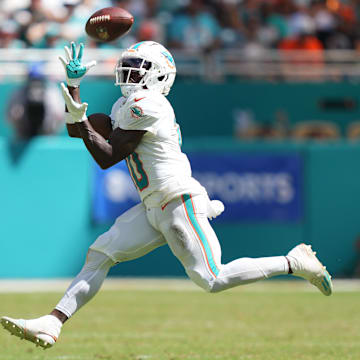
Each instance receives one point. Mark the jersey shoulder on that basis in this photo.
(146, 94)
(119, 102)
(147, 104)
(150, 103)
(115, 109)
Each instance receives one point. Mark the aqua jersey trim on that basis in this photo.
(189, 207)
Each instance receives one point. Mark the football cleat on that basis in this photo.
(305, 264)
(42, 332)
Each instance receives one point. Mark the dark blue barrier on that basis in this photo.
(113, 193)
(253, 187)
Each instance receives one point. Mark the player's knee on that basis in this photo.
(211, 287)
(215, 288)
(96, 259)
(203, 281)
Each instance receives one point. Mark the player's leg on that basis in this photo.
(186, 228)
(130, 237)
(44, 331)
(85, 285)
(193, 241)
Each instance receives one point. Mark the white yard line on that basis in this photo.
(165, 284)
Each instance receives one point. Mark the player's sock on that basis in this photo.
(43, 331)
(86, 284)
(305, 264)
(247, 270)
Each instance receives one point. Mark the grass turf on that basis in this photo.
(278, 321)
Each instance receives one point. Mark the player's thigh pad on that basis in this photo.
(191, 238)
(130, 237)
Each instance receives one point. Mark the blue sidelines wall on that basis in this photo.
(46, 224)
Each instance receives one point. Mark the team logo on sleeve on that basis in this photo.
(136, 112)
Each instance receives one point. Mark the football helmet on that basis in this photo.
(145, 65)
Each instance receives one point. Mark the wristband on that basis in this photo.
(75, 83)
(69, 119)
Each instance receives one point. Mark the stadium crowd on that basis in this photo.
(190, 24)
(200, 25)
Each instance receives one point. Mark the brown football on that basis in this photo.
(109, 23)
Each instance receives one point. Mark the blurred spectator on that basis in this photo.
(9, 33)
(325, 23)
(190, 24)
(300, 29)
(151, 28)
(307, 48)
(232, 26)
(36, 108)
(39, 23)
(275, 16)
(353, 131)
(254, 45)
(304, 41)
(247, 128)
(319, 130)
(300, 22)
(194, 28)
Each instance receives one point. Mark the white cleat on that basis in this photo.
(305, 264)
(42, 332)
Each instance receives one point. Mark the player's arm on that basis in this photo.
(108, 153)
(101, 123)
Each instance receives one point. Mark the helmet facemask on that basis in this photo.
(145, 65)
(131, 74)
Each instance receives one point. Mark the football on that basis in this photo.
(108, 24)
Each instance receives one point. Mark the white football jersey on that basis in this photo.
(159, 169)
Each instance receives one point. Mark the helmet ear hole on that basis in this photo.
(161, 78)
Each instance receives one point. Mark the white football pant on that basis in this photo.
(184, 226)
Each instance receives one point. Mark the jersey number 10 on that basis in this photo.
(139, 176)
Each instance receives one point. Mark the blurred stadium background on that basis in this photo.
(267, 95)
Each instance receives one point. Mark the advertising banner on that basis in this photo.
(253, 187)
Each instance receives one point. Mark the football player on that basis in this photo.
(174, 208)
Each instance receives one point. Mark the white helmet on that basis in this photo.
(145, 65)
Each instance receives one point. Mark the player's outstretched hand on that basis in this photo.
(78, 111)
(74, 68)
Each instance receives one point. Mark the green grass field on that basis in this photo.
(270, 320)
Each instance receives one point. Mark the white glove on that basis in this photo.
(74, 69)
(215, 208)
(76, 110)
